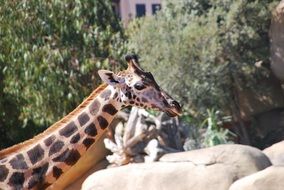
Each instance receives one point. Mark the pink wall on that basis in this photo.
(128, 8)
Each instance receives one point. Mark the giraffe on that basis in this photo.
(39, 162)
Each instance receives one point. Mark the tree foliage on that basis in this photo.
(203, 50)
(49, 54)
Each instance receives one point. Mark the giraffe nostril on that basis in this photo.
(175, 104)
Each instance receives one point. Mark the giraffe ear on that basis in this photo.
(110, 78)
(131, 57)
(132, 61)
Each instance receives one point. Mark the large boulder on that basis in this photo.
(272, 178)
(275, 153)
(211, 168)
(269, 128)
(252, 102)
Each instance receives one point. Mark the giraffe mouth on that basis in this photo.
(174, 109)
(172, 114)
(171, 107)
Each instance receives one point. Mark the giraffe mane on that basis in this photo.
(52, 128)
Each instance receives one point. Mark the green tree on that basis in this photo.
(203, 50)
(50, 52)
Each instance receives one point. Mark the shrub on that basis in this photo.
(49, 54)
(203, 50)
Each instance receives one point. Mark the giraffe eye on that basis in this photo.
(139, 86)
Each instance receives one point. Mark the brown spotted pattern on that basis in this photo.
(91, 130)
(57, 172)
(37, 175)
(102, 122)
(17, 179)
(3, 172)
(68, 130)
(59, 154)
(110, 109)
(88, 142)
(36, 154)
(49, 140)
(69, 157)
(106, 94)
(83, 118)
(55, 147)
(75, 138)
(18, 162)
(94, 107)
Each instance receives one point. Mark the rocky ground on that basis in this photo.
(223, 167)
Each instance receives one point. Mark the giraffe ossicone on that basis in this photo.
(39, 162)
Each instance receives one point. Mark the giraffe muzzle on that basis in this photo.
(174, 109)
(171, 106)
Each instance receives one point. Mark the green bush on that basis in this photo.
(50, 52)
(201, 51)
(214, 134)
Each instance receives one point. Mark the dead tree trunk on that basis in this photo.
(144, 138)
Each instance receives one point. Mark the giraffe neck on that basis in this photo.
(45, 160)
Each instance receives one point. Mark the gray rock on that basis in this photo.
(211, 169)
(275, 153)
(272, 178)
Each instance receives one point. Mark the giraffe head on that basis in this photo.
(135, 87)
